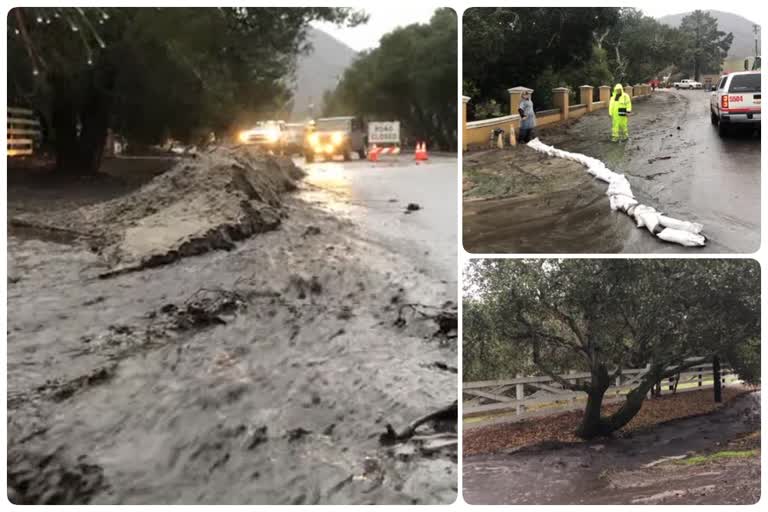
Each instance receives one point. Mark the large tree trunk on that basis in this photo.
(592, 423)
(81, 153)
(64, 123)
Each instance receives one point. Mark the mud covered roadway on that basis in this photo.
(664, 465)
(674, 160)
(266, 373)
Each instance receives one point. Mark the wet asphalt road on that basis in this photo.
(708, 179)
(690, 173)
(375, 196)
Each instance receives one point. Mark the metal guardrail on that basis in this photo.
(23, 132)
(527, 396)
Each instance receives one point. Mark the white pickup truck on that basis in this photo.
(736, 101)
(687, 84)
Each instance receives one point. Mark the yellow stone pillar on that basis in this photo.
(515, 94)
(464, 101)
(560, 100)
(605, 93)
(586, 95)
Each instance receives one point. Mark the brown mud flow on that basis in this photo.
(674, 160)
(263, 373)
(673, 463)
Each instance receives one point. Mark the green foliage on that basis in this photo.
(163, 72)
(584, 314)
(410, 77)
(706, 47)
(542, 48)
(531, 47)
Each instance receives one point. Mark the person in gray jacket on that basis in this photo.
(527, 118)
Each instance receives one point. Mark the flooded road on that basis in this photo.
(626, 470)
(377, 195)
(263, 374)
(675, 162)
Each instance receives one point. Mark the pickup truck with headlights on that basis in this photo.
(332, 136)
(266, 134)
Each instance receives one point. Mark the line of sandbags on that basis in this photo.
(622, 199)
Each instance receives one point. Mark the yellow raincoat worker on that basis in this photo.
(619, 108)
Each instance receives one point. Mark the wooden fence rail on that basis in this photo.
(538, 395)
(23, 131)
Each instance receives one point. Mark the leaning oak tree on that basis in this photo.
(605, 315)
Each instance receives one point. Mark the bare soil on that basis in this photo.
(684, 461)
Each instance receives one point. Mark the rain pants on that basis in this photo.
(618, 110)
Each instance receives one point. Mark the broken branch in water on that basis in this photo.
(446, 414)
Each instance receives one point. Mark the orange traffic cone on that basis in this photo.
(421, 152)
(373, 154)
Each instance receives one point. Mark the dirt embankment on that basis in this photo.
(199, 205)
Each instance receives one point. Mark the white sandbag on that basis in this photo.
(681, 237)
(622, 203)
(619, 185)
(646, 216)
(683, 225)
(620, 197)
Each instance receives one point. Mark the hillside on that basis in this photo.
(743, 37)
(319, 71)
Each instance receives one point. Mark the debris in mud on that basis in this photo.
(439, 365)
(443, 419)
(59, 391)
(38, 479)
(297, 434)
(303, 286)
(206, 307)
(197, 206)
(412, 207)
(256, 437)
(446, 317)
(311, 231)
(657, 158)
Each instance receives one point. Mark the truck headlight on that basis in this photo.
(243, 136)
(314, 139)
(337, 138)
(273, 136)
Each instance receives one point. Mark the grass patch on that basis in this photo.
(703, 459)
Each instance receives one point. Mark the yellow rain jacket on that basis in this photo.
(618, 110)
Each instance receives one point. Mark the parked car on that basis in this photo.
(687, 84)
(736, 101)
(332, 136)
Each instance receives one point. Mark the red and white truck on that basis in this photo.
(736, 101)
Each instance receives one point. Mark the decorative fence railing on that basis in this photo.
(540, 395)
(23, 131)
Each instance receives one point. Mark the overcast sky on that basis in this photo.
(746, 9)
(383, 19)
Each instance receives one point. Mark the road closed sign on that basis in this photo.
(384, 132)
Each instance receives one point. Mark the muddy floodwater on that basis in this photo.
(262, 374)
(639, 469)
(674, 160)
